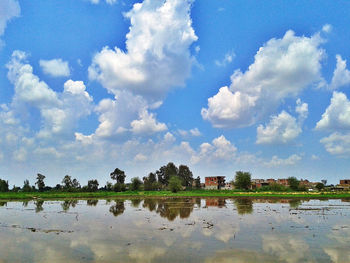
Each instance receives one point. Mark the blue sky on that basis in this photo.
(88, 86)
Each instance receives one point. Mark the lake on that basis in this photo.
(175, 230)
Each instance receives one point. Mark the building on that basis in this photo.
(343, 185)
(258, 183)
(214, 182)
(283, 182)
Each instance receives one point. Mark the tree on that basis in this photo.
(109, 186)
(185, 175)
(92, 185)
(293, 183)
(76, 184)
(118, 175)
(242, 180)
(165, 172)
(4, 186)
(197, 182)
(40, 182)
(135, 184)
(319, 186)
(150, 182)
(26, 186)
(175, 184)
(67, 182)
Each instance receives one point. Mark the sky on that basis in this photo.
(87, 86)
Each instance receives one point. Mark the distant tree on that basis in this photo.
(165, 172)
(26, 186)
(4, 186)
(118, 187)
(324, 182)
(15, 189)
(58, 187)
(67, 182)
(109, 186)
(185, 175)
(242, 180)
(76, 184)
(197, 182)
(118, 175)
(293, 183)
(175, 184)
(135, 184)
(277, 187)
(92, 185)
(150, 182)
(319, 186)
(40, 182)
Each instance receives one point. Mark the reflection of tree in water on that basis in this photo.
(68, 203)
(92, 202)
(198, 202)
(171, 208)
(150, 203)
(244, 205)
(294, 203)
(118, 208)
(39, 206)
(135, 203)
(25, 203)
(3, 203)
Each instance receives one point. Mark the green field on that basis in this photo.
(193, 193)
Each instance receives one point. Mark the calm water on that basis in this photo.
(175, 230)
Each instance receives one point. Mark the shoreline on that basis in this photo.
(10, 196)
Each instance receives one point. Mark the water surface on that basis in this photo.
(175, 230)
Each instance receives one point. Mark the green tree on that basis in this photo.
(319, 186)
(4, 186)
(135, 184)
(293, 183)
(118, 175)
(197, 182)
(242, 180)
(75, 184)
(40, 182)
(185, 175)
(150, 182)
(109, 186)
(175, 184)
(26, 186)
(92, 185)
(165, 172)
(67, 183)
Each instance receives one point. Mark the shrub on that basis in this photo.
(175, 184)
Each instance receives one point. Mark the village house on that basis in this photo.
(215, 182)
(344, 184)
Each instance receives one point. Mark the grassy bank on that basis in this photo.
(193, 193)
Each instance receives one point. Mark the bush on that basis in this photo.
(135, 184)
(175, 184)
(277, 187)
(118, 187)
(320, 186)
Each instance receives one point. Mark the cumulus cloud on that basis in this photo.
(8, 10)
(337, 115)
(337, 144)
(147, 124)
(228, 58)
(276, 161)
(192, 132)
(157, 55)
(282, 68)
(341, 75)
(55, 67)
(110, 2)
(59, 111)
(283, 128)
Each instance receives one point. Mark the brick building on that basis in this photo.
(214, 182)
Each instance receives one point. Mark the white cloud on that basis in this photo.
(282, 68)
(341, 75)
(276, 161)
(337, 144)
(192, 132)
(327, 28)
(337, 115)
(147, 124)
(55, 67)
(228, 58)
(157, 56)
(110, 2)
(8, 10)
(283, 128)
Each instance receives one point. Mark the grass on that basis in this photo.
(192, 193)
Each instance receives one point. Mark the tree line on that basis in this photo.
(167, 177)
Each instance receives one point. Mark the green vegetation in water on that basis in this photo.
(189, 193)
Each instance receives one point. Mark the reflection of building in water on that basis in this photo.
(218, 202)
(214, 182)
